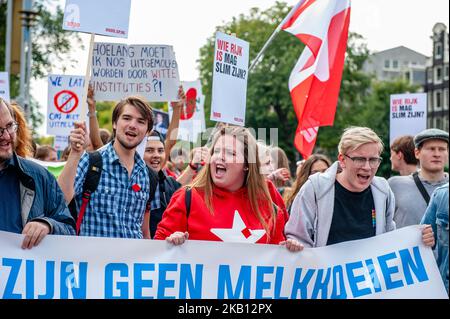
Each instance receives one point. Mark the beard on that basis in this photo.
(126, 145)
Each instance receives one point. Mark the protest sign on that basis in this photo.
(60, 142)
(4, 86)
(120, 70)
(160, 122)
(65, 93)
(192, 118)
(104, 17)
(229, 91)
(408, 114)
(391, 265)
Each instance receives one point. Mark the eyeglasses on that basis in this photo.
(374, 162)
(11, 128)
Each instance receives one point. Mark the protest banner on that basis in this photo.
(65, 93)
(120, 70)
(4, 86)
(192, 118)
(53, 167)
(229, 90)
(60, 142)
(391, 265)
(84, 16)
(408, 114)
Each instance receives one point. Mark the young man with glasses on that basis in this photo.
(31, 202)
(347, 202)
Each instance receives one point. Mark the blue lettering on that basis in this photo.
(187, 281)
(121, 286)
(225, 284)
(140, 283)
(68, 280)
(56, 81)
(279, 283)
(321, 286)
(388, 271)
(408, 264)
(338, 278)
(29, 278)
(262, 285)
(49, 280)
(354, 280)
(373, 275)
(163, 283)
(12, 278)
(301, 285)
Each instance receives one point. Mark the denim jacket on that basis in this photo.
(436, 215)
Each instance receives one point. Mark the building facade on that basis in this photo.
(397, 63)
(436, 85)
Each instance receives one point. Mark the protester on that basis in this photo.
(347, 202)
(436, 215)
(198, 157)
(105, 136)
(280, 161)
(279, 176)
(31, 203)
(229, 201)
(316, 163)
(24, 142)
(46, 153)
(412, 193)
(155, 157)
(118, 206)
(403, 159)
(179, 158)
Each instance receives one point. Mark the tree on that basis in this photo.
(51, 46)
(269, 103)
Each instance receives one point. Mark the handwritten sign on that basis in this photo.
(104, 17)
(192, 118)
(392, 265)
(120, 70)
(64, 98)
(4, 86)
(229, 91)
(408, 114)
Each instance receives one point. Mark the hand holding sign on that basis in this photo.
(181, 98)
(77, 138)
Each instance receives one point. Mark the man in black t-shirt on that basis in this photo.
(347, 202)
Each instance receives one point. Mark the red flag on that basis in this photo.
(322, 25)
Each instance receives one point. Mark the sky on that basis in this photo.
(186, 25)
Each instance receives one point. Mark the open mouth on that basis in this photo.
(131, 134)
(5, 145)
(363, 178)
(221, 170)
(155, 163)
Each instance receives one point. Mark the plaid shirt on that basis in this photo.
(115, 209)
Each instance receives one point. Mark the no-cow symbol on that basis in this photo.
(66, 101)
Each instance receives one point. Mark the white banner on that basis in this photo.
(192, 118)
(120, 70)
(392, 265)
(408, 114)
(229, 91)
(65, 93)
(104, 17)
(4, 86)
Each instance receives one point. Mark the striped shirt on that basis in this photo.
(117, 207)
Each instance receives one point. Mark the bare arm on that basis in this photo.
(146, 225)
(172, 131)
(94, 130)
(66, 179)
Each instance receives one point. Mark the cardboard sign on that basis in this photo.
(192, 118)
(120, 70)
(64, 99)
(104, 17)
(4, 86)
(408, 114)
(229, 91)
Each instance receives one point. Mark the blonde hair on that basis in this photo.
(258, 191)
(355, 136)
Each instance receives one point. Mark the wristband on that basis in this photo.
(193, 167)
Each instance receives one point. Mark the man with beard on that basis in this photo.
(117, 208)
(31, 203)
(412, 193)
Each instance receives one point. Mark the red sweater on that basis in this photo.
(233, 220)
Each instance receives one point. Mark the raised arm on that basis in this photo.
(94, 130)
(172, 132)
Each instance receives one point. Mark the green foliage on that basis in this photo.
(362, 101)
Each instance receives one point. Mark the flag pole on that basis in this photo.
(290, 14)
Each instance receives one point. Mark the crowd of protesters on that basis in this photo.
(169, 194)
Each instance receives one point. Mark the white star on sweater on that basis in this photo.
(239, 233)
